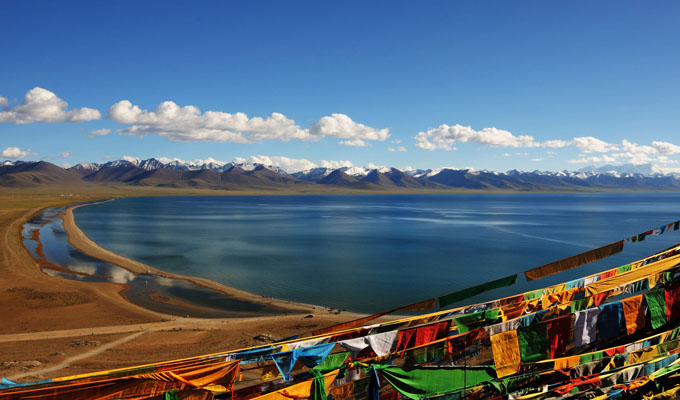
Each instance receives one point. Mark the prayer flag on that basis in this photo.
(574, 261)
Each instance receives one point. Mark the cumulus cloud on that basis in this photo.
(134, 160)
(537, 159)
(188, 124)
(444, 137)
(627, 151)
(666, 148)
(3, 101)
(665, 160)
(100, 132)
(341, 126)
(589, 144)
(399, 148)
(556, 144)
(656, 169)
(594, 159)
(354, 143)
(16, 153)
(336, 164)
(287, 164)
(41, 105)
(65, 154)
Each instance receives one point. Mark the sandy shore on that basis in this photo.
(80, 241)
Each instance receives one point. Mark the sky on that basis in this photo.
(498, 85)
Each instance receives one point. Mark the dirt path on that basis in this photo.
(106, 330)
(66, 363)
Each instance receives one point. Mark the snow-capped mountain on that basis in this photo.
(216, 174)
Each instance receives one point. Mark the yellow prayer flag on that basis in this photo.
(506, 355)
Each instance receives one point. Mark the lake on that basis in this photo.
(373, 252)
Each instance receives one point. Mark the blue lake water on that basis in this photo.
(373, 252)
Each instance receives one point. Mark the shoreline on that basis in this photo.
(80, 241)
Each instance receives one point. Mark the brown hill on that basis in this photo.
(36, 174)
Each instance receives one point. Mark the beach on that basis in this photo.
(55, 327)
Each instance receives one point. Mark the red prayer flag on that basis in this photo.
(559, 330)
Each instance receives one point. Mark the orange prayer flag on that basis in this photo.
(634, 314)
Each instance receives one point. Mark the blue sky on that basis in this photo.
(490, 85)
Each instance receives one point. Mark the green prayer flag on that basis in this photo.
(332, 362)
(533, 342)
(425, 354)
(421, 382)
(478, 319)
(668, 346)
(318, 391)
(656, 302)
(475, 290)
(533, 295)
(590, 357)
(578, 305)
(624, 268)
(171, 395)
(515, 383)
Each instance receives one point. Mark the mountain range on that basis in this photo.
(245, 176)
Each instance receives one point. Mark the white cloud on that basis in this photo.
(506, 154)
(342, 127)
(537, 159)
(65, 165)
(399, 148)
(354, 143)
(108, 157)
(556, 144)
(603, 158)
(550, 153)
(665, 160)
(336, 164)
(395, 141)
(131, 159)
(15, 153)
(100, 132)
(640, 159)
(188, 124)
(664, 170)
(589, 144)
(666, 148)
(444, 137)
(3, 101)
(41, 105)
(65, 154)
(287, 164)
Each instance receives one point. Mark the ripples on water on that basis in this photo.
(369, 253)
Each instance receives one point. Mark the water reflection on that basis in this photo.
(47, 242)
